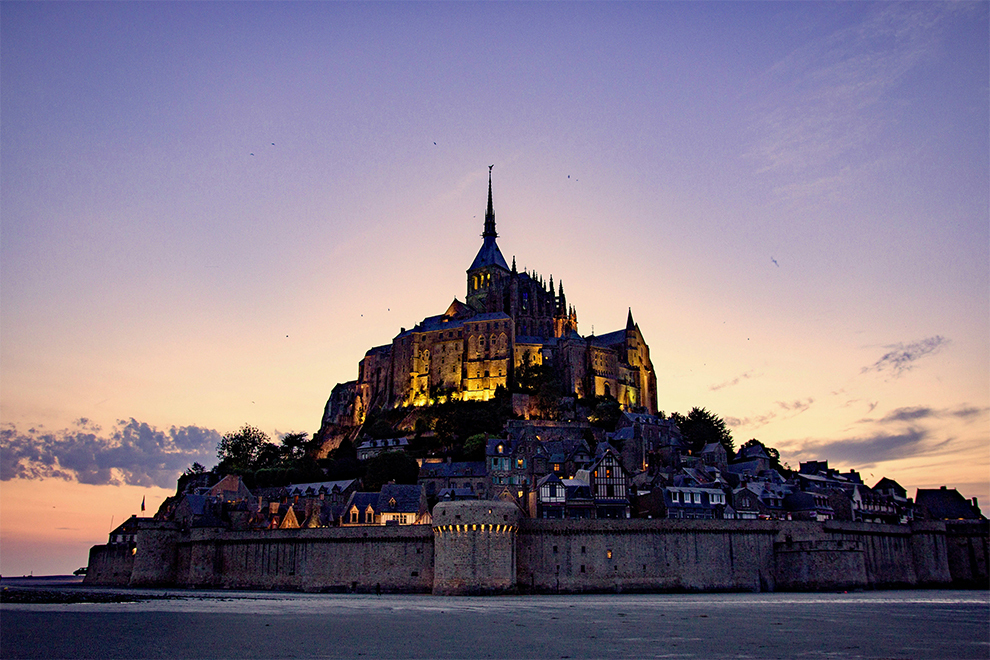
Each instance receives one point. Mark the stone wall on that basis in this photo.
(366, 559)
(968, 551)
(110, 565)
(477, 547)
(645, 555)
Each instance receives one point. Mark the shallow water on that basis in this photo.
(881, 624)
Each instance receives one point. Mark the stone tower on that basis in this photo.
(474, 547)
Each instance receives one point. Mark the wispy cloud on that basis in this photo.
(907, 432)
(901, 357)
(132, 453)
(784, 410)
(869, 449)
(819, 108)
(916, 414)
(734, 381)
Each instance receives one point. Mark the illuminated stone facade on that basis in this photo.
(475, 346)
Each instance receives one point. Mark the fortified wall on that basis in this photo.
(485, 547)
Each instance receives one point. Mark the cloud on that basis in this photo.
(819, 109)
(907, 432)
(789, 408)
(900, 357)
(915, 414)
(870, 449)
(730, 383)
(132, 453)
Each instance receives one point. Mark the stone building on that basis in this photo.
(475, 346)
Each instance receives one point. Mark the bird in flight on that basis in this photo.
(774, 262)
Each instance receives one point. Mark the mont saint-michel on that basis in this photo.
(492, 448)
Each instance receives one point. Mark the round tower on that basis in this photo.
(474, 549)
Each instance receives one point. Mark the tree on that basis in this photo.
(701, 427)
(239, 450)
(390, 466)
(474, 447)
(606, 413)
(294, 445)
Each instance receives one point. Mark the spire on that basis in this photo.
(489, 254)
(630, 325)
(490, 213)
(513, 263)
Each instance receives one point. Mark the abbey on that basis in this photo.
(507, 319)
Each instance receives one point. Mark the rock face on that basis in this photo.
(474, 547)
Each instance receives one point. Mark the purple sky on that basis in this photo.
(791, 197)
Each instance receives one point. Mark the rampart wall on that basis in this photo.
(645, 555)
(481, 548)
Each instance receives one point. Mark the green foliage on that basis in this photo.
(701, 427)
(238, 451)
(390, 466)
(606, 413)
(474, 447)
(294, 446)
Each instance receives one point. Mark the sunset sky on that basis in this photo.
(210, 211)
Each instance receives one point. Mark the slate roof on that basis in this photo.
(452, 494)
(609, 339)
(362, 500)
(407, 498)
(489, 255)
(889, 485)
(459, 470)
(946, 504)
(317, 486)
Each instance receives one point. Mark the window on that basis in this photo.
(520, 463)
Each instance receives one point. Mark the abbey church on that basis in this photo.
(507, 319)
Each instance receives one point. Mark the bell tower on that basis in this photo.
(488, 272)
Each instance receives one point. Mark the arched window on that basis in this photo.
(608, 391)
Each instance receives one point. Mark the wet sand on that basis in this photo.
(904, 624)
